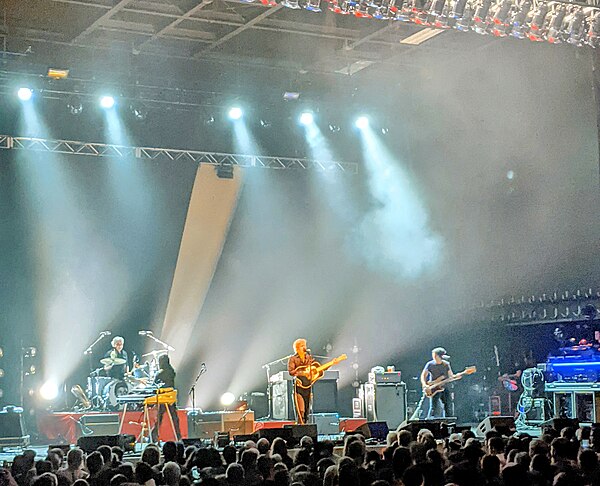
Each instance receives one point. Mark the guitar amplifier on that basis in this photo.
(324, 398)
(12, 428)
(385, 403)
(392, 377)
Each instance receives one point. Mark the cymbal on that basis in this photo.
(155, 353)
(110, 361)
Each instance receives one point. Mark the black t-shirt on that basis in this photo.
(436, 370)
(167, 377)
(117, 371)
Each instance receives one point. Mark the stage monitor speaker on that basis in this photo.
(560, 423)
(100, 424)
(373, 430)
(505, 425)
(91, 443)
(438, 427)
(11, 423)
(299, 431)
(272, 434)
(386, 402)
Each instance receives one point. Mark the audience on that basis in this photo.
(556, 458)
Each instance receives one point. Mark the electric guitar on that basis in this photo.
(437, 385)
(315, 371)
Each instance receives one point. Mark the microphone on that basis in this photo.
(105, 333)
(144, 333)
(308, 351)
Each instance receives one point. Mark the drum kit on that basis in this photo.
(102, 391)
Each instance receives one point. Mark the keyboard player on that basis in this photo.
(166, 379)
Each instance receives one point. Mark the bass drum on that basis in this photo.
(112, 390)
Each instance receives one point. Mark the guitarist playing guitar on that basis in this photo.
(436, 399)
(306, 371)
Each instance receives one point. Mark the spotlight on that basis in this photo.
(519, 20)
(574, 30)
(139, 111)
(265, 124)
(464, 18)
(384, 9)
(209, 120)
(334, 128)
(362, 122)
(593, 35)
(500, 17)
(235, 113)
(554, 35)
(224, 171)
(24, 94)
(74, 105)
(295, 4)
(107, 102)
(1, 373)
(313, 5)
(1, 392)
(480, 22)
(306, 118)
(536, 26)
(1, 352)
(385, 131)
(49, 390)
(227, 399)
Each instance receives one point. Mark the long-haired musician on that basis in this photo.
(297, 365)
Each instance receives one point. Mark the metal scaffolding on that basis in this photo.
(155, 153)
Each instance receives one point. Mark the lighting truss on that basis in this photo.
(152, 153)
(555, 308)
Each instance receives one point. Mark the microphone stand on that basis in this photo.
(193, 388)
(162, 343)
(88, 351)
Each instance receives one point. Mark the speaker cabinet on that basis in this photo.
(438, 427)
(100, 424)
(503, 424)
(206, 425)
(385, 403)
(11, 424)
(90, 444)
(324, 398)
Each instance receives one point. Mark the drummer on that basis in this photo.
(115, 360)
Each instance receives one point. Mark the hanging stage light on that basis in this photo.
(499, 19)
(538, 20)
(385, 9)
(25, 94)
(593, 34)
(235, 113)
(75, 105)
(421, 16)
(107, 102)
(574, 30)
(464, 23)
(519, 20)
(555, 24)
(440, 14)
(480, 18)
(313, 5)
(362, 122)
(306, 118)
(362, 9)
(295, 4)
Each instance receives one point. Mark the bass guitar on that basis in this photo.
(438, 385)
(315, 371)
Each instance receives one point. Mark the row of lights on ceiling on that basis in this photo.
(544, 21)
(235, 113)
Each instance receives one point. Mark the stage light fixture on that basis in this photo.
(384, 9)
(1, 373)
(538, 20)
(295, 4)
(1, 352)
(313, 6)
(306, 118)
(107, 102)
(227, 399)
(464, 23)
(25, 94)
(519, 20)
(224, 171)
(334, 128)
(49, 390)
(265, 123)
(574, 29)
(480, 18)
(1, 392)
(139, 111)
(75, 105)
(235, 113)
(362, 8)
(593, 35)
(555, 23)
(499, 22)
(362, 122)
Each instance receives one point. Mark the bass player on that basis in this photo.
(297, 366)
(438, 404)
